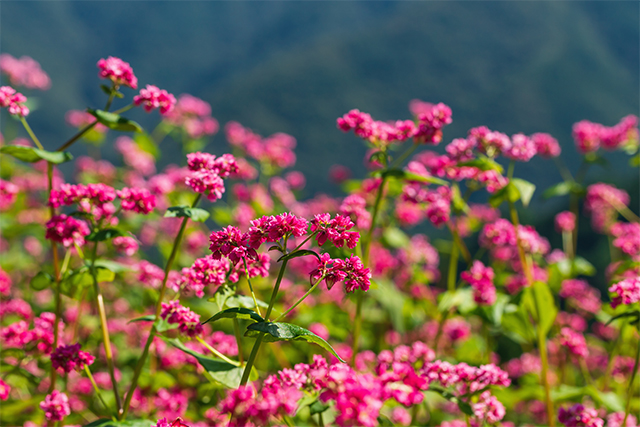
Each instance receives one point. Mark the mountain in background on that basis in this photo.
(295, 67)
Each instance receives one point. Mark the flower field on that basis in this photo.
(209, 292)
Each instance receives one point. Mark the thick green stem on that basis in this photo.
(103, 325)
(256, 345)
(627, 408)
(163, 289)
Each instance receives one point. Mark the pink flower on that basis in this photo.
(522, 149)
(194, 115)
(616, 419)
(175, 423)
(579, 416)
(25, 72)
(70, 358)
(55, 406)
(574, 342)
(601, 201)
(335, 230)
(152, 97)
(546, 145)
(118, 71)
(13, 101)
(587, 136)
(431, 122)
(481, 280)
(8, 194)
(354, 206)
(139, 200)
(125, 244)
(581, 295)
(627, 237)
(188, 321)
(135, 157)
(149, 274)
(232, 243)
(565, 222)
(4, 390)
(67, 230)
(204, 272)
(626, 292)
(488, 408)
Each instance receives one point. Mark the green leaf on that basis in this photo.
(299, 253)
(318, 407)
(115, 121)
(631, 313)
(562, 189)
(395, 237)
(244, 301)
(594, 158)
(635, 161)
(582, 267)
(483, 163)
(460, 298)
(288, 332)
(147, 318)
(410, 176)
(105, 234)
(611, 400)
(526, 190)
(221, 296)
(32, 155)
(114, 266)
(547, 306)
(225, 373)
(465, 408)
(196, 214)
(393, 301)
(235, 313)
(41, 281)
(518, 327)
(147, 144)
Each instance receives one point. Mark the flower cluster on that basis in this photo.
(336, 230)
(579, 416)
(152, 97)
(118, 71)
(350, 270)
(203, 273)
(67, 230)
(208, 172)
(589, 136)
(25, 72)
(274, 152)
(194, 115)
(188, 321)
(138, 200)
(8, 194)
(71, 358)
(138, 159)
(626, 292)
(13, 101)
(481, 280)
(55, 406)
(602, 201)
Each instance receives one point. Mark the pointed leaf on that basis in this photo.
(526, 190)
(235, 313)
(546, 304)
(115, 121)
(41, 281)
(32, 155)
(287, 332)
(225, 373)
(147, 318)
(299, 253)
(105, 234)
(196, 214)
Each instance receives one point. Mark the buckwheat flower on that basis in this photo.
(4, 390)
(581, 295)
(493, 180)
(231, 243)
(587, 136)
(331, 269)
(175, 423)
(13, 101)
(152, 97)
(188, 321)
(574, 342)
(25, 72)
(601, 202)
(125, 244)
(149, 274)
(522, 148)
(615, 420)
(335, 230)
(623, 133)
(627, 237)
(71, 358)
(67, 230)
(626, 292)
(579, 416)
(438, 205)
(139, 200)
(258, 266)
(565, 222)
(488, 408)
(204, 272)
(8, 194)
(431, 122)
(358, 277)
(354, 206)
(118, 71)
(481, 280)
(461, 149)
(489, 142)
(546, 145)
(135, 157)
(55, 406)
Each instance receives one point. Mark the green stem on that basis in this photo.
(453, 268)
(95, 387)
(460, 243)
(627, 408)
(56, 272)
(357, 323)
(103, 324)
(256, 345)
(123, 109)
(403, 156)
(315, 285)
(216, 352)
(253, 294)
(30, 132)
(163, 288)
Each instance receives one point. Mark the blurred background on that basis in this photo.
(295, 67)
